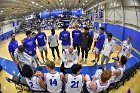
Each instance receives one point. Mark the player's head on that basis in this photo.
(101, 29)
(70, 49)
(13, 36)
(52, 31)
(109, 36)
(123, 60)
(86, 29)
(33, 34)
(28, 33)
(106, 75)
(76, 68)
(129, 39)
(39, 29)
(65, 28)
(50, 65)
(27, 71)
(76, 26)
(21, 48)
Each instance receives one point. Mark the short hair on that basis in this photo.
(77, 25)
(123, 60)
(86, 28)
(75, 68)
(27, 71)
(33, 33)
(50, 64)
(21, 48)
(106, 75)
(28, 32)
(52, 30)
(129, 36)
(38, 28)
(101, 28)
(109, 35)
(12, 34)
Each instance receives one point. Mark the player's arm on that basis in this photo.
(16, 60)
(45, 37)
(76, 58)
(49, 40)
(41, 82)
(64, 56)
(120, 49)
(10, 52)
(66, 78)
(102, 43)
(62, 76)
(129, 52)
(83, 78)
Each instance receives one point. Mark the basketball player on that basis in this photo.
(126, 48)
(22, 58)
(98, 85)
(99, 45)
(41, 40)
(118, 73)
(13, 45)
(53, 79)
(69, 57)
(65, 37)
(86, 42)
(30, 46)
(74, 81)
(108, 49)
(33, 81)
(53, 43)
(76, 35)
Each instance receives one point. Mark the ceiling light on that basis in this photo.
(41, 6)
(61, 3)
(83, 4)
(25, 11)
(33, 2)
(1, 11)
(36, 4)
(86, 1)
(59, 0)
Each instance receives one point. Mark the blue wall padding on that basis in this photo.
(6, 35)
(96, 25)
(116, 30)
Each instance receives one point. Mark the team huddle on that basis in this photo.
(70, 77)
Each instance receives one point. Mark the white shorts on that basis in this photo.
(97, 51)
(42, 48)
(65, 47)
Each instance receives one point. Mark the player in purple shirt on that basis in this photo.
(42, 40)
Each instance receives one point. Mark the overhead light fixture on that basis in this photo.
(41, 6)
(36, 4)
(33, 2)
(61, 3)
(59, 0)
(1, 11)
(86, 1)
(83, 4)
(25, 11)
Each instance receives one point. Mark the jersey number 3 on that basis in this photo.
(74, 84)
(53, 82)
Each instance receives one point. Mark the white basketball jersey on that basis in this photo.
(100, 87)
(125, 48)
(74, 84)
(117, 78)
(53, 81)
(33, 83)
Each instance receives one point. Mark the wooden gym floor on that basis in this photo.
(9, 87)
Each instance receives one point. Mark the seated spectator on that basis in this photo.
(74, 81)
(33, 81)
(53, 79)
(98, 85)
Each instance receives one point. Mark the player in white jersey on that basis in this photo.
(74, 81)
(53, 79)
(98, 85)
(34, 82)
(117, 74)
(126, 48)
